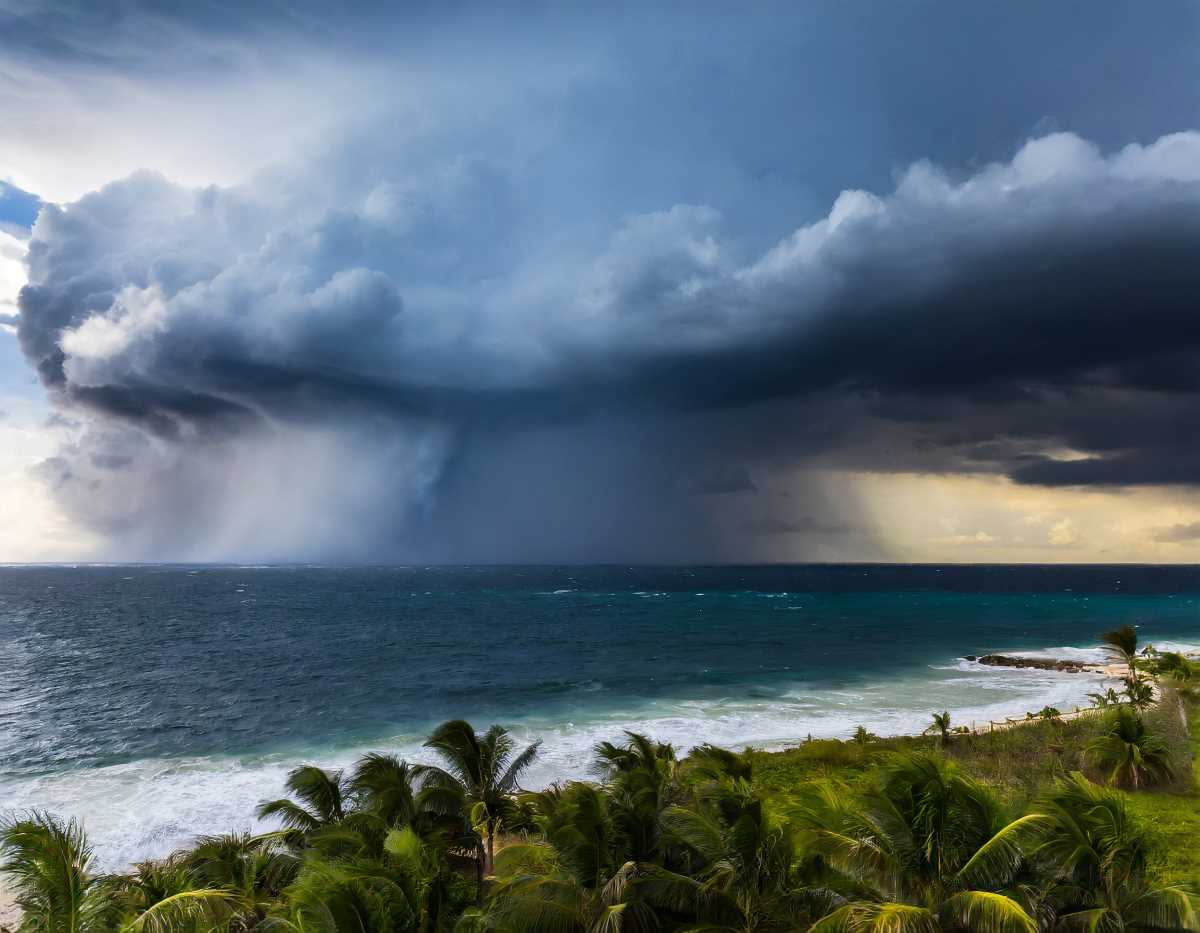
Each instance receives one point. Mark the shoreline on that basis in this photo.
(10, 914)
(145, 808)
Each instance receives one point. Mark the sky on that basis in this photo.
(528, 282)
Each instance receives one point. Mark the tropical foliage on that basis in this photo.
(1129, 752)
(898, 838)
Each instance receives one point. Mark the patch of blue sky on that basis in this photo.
(18, 208)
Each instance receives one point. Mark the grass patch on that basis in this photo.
(1171, 817)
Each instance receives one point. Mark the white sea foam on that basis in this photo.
(146, 809)
(1097, 655)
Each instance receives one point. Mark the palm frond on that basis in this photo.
(537, 904)
(458, 746)
(48, 864)
(1094, 920)
(321, 790)
(996, 862)
(1169, 908)
(386, 785)
(715, 763)
(868, 917)
(289, 813)
(1121, 643)
(507, 783)
(695, 830)
(987, 912)
(171, 914)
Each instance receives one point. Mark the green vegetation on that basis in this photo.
(1129, 751)
(1057, 823)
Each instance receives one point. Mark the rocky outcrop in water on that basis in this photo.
(1042, 664)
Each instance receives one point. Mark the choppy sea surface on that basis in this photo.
(162, 702)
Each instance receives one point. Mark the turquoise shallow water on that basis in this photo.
(162, 701)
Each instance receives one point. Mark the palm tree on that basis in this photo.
(484, 768)
(256, 868)
(941, 725)
(165, 897)
(49, 864)
(1139, 693)
(1093, 852)
(641, 777)
(577, 879)
(1121, 643)
(925, 850)
(639, 753)
(387, 787)
(322, 796)
(863, 737)
(1128, 752)
(745, 867)
(1108, 698)
(349, 896)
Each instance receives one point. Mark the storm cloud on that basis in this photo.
(1033, 291)
(430, 336)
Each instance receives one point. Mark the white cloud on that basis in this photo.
(12, 277)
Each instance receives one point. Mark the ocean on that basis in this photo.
(160, 702)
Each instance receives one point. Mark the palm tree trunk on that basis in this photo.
(479, 880)
(491, 850)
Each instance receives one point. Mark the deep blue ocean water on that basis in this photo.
(157, 702)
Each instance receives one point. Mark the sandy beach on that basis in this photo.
(10, 915)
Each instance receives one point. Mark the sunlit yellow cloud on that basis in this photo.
(921, 517)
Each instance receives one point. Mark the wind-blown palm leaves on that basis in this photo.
(48, 862)
(257, 869)
(321, 795)
(907, 852)
(387, 787)
(485, 769)
(640, 776)
(941, 725)
(1094, 856)
(165, 897)
(1128, 752)
(352, 815)
(1121, 643)
(350, 896)
(746, 867)
(577, 878)
(1104, 700)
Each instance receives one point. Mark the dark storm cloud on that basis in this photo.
(588, 283)
(1063, 271)
(972, 325)
(725, 480)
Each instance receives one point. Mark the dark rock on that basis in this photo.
(1041, 664)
